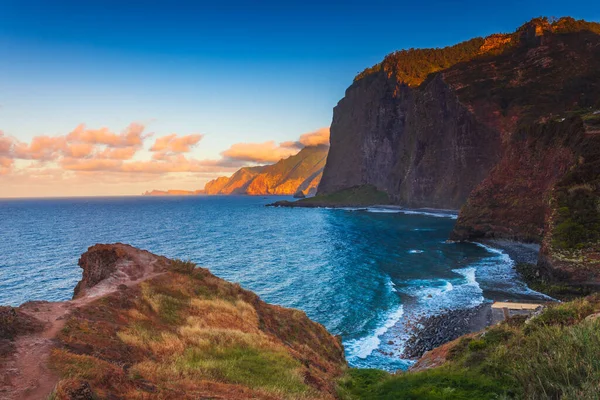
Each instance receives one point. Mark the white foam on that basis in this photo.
(499, 270)
(439, 214)
(384, 210)
(363, 347)
(415, 251)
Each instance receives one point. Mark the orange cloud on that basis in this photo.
(316, 138)
(271, 152)
(6, 158)
(43, 148)
(78, 164)
(130, 137)
(84, 143)
(172, 143)
(5, 144)
(5, 165)
(258, 152)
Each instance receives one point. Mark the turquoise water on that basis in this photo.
(361, 273)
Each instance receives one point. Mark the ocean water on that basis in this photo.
(363, 273)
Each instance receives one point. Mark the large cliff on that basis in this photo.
(300, 173)
(427, 126)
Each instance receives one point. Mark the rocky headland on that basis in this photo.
(297, 175)
(144, 326)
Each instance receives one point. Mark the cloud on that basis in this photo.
(132, 136)
(76, 161)
(174, 144)
(6, 158)
(84, 143)
(258, 152)
(269, 152)
(316, 138)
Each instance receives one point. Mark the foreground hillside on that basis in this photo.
(143, 326)
(299, 174)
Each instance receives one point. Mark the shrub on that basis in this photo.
(439, 383)
(183, 267)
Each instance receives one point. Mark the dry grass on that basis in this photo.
(190, 334)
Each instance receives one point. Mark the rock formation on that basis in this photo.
(505, 127)
(299, 173)
(428, 139)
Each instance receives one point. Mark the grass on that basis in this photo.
(435, 384)
(188, 334)
(553, 355)
(183, 267)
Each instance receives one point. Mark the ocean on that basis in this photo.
(363, 273)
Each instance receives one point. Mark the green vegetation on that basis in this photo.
(252, 367)
(414, 65)
(435, 384)
(577, 195)
(552, 356)
(558, 290)
(183, 267)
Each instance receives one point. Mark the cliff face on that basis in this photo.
(421, 145)
(143, 326)
(545, 189)
(298, 173)
(429, 144)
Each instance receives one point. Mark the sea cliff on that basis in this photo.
(299, 175)
(505, 128)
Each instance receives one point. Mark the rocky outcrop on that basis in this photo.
(107, 266)
(431, 141)
(299, 173)
(143, 326)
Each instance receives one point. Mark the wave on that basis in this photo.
(398, 210)
(437, 214)
(498, 272)
(363, 347)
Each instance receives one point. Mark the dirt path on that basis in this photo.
(24, 374)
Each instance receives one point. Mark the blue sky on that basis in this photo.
(233, 71)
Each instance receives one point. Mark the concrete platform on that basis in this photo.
(504, 310)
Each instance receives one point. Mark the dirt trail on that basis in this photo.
(24, 374)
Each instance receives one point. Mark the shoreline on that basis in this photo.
(431, 332)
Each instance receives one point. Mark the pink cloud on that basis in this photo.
(5, 165)
(77, 164)
(43, 148)
(132, 136)
(5, 144)
(174, 144)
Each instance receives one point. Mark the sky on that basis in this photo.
(119, 97)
